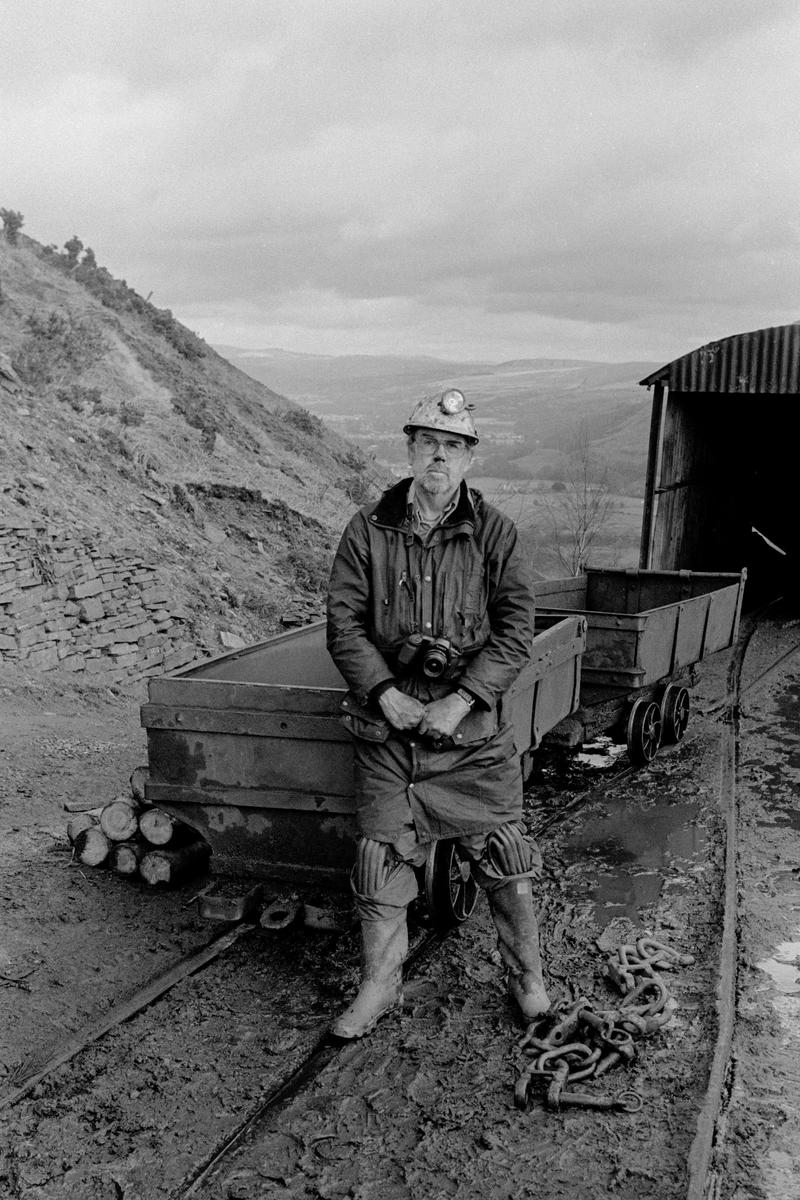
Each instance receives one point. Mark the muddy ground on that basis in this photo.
(425, 1107)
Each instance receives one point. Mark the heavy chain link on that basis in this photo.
(576, 1040)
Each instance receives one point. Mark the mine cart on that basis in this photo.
(647, 632)
(250, 749)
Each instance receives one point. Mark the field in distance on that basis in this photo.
(550, 522)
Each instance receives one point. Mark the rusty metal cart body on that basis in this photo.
(647, 633)
(249, 748)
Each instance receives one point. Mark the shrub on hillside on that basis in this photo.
(187, 344)
(355, 459)
(260, 602)
(73, 249)
(56, 346)
(309, 568)
(116, 445)
(131, 414)
(12, 223)
(302, 419)
(145, 462)
(80, 398)
(358, 488)
(196, 407)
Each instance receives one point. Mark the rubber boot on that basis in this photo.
(384, 945)
(511, 906)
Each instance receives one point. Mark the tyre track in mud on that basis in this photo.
(285, 1046)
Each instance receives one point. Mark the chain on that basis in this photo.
(576, 1041)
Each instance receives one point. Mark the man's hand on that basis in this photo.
(400, 710)
(442, 717)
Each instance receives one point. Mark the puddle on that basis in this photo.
(784, 968)
(627, 853)
(786, 817)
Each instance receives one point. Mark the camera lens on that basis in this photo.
(435, 662)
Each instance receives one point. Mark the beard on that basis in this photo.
(435, 483)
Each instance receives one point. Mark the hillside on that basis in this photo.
(124, 428)
(529, 410)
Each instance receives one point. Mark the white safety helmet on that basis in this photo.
(448, 411)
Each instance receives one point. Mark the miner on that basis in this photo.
(430, 621)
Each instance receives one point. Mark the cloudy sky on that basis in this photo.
(608, 179)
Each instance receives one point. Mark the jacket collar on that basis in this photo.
(392, 508)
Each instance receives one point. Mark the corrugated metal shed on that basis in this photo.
(765, 362)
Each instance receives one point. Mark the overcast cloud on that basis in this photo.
(572, 178)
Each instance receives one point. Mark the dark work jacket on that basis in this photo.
(466, 583)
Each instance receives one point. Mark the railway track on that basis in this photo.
(319, 1053)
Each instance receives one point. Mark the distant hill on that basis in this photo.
(119, 420)
(528, 410)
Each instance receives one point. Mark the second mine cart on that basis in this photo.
(647, 632)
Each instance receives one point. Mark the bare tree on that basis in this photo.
(580, 511)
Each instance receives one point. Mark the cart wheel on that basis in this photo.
(644, 732)
(451, 892)
(675, 707)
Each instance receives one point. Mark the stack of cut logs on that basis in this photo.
(138, 840)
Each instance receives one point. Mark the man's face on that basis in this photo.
(439, 461)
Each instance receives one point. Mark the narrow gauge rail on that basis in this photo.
(322, 1052)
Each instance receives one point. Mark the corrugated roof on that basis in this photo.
(765, 361)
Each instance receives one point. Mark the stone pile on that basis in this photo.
(67, 602)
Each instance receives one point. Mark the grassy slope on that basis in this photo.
(143, 439)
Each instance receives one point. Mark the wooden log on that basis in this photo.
(85, 804)
(160, 829)
(119, 820)
(124, 857)
(138, 780)
(92, 846)
(172, 866)
(81, 821)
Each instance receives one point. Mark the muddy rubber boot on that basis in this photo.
(518, 941)
(384, 945)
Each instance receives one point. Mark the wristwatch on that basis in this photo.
(466, 696)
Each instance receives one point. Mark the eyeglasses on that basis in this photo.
(452, 447)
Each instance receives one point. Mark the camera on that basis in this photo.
(432, 656)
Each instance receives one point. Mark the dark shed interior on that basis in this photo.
(723, 465)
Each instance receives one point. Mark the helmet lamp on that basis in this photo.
(452, 401)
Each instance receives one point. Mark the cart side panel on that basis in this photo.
(634, 591)
(208, 758)
(723, 618)
(180, 691)
(289, 844)
(567, 594)
(546, 690)
(612, 654)
(637, 591)
(684, 633)
(264, 773)
(557, 696)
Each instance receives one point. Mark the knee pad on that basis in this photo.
(372, 866)
(382, 885)
(509, 853)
